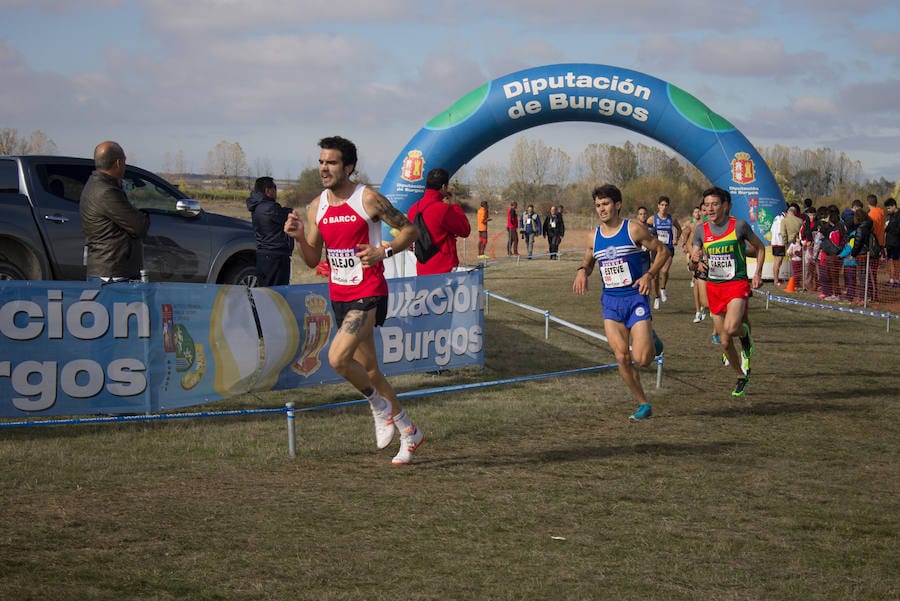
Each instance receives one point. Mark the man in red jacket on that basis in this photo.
(445, 221)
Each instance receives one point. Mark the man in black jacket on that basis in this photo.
(113, 228)
(273, 246)
(554, 229)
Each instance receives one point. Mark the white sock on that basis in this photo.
(402, 421)
(378, 402)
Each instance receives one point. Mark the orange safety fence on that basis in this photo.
(864, 281)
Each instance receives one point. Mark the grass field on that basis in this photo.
(538, 490)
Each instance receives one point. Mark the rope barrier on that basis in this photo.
(548, 318)
(851, 310)
(150, 417)
(289, 407)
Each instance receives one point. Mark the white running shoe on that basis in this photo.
(698, 317)
(384, 427)
(656, 303)
(409, 442)
(663, 296)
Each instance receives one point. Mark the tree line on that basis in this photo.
(542, 175)
(538, 174)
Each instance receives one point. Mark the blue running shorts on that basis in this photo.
(626, 309)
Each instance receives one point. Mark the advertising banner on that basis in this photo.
(77, 348)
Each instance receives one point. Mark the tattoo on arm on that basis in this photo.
(389, 214)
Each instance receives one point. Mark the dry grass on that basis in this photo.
(538, 490)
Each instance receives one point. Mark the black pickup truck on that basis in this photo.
(41, 236)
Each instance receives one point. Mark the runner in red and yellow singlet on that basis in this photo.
(719, 249)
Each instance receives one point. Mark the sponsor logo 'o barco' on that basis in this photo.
(340, 219)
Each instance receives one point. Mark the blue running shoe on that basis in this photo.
(657, 343)
(644, 411)
(716, 339)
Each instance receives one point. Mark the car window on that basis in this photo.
(144, 193)
(9, 177)
(67, 180)
(64, 180)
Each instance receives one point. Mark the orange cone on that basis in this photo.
(790, 285)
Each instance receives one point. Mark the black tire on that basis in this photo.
(8, 271)
(240, 274)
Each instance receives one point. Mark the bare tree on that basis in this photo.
(600, 163)
(228, 161)
(40, 143)
(262, 167)
(488, 182)
(536, 169)
(820, 174)
(180, 166)
(592, 164)
(10, 142)
(622, 164)
(656, 161)
(37, 142)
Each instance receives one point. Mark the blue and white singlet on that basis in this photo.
(663, 228)
(619, 261)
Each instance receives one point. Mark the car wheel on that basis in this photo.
(8, 271)
(241, 274)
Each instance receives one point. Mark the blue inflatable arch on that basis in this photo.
(585, 92)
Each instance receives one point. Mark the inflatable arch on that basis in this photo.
(586, 92)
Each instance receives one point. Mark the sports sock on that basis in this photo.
(402, 421)
(378, 402)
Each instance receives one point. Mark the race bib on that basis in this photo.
(721, 267)
(616, 273)
(346, 268)
(663, 236)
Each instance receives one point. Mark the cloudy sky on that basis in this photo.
(163, 76)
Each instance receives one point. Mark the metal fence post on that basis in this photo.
(292, 430)
(659, 366)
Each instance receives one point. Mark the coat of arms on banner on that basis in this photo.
(413, 169)
(317, 324)
(742, 169)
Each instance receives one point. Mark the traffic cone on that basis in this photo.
(790, 286)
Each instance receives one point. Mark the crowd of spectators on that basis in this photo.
(850, 256)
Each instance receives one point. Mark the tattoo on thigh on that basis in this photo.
(353, 322)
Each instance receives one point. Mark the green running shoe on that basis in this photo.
(740, 386)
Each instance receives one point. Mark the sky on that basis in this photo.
(168, 76)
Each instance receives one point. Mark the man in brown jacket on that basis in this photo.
(113, 228)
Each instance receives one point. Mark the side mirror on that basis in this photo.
(188, 206)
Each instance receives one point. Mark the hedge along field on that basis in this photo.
(534, 490)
